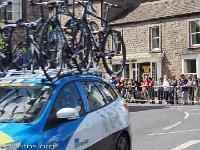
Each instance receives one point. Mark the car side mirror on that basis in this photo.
(68, 113)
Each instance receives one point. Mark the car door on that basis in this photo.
(59, 132)
(115, 110)
(95, 120)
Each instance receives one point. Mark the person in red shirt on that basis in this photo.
(151, 90)
(145, 88)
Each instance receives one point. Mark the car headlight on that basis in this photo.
(10, 146)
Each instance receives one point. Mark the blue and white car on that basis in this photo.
(74, 113)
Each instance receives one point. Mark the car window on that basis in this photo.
(94, 97)
(22, 103)
(69, 97)
(108, 91)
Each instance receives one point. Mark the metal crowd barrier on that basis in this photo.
(174, 95)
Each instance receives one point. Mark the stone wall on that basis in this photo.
(174, 41)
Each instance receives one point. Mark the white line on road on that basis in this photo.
(195, 114)
(172, 126)
(175, 132)
(187, 144)
(193, 110)
(186, 115)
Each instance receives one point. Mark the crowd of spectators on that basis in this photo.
(183, 90)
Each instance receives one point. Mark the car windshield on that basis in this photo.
(22, 103)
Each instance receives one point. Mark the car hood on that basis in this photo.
(14, 132)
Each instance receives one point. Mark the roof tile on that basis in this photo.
(161, 9)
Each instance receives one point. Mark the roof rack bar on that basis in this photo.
(14, 78)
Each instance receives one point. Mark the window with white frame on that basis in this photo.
(155, 38)
(190, 66)
(14, 11)
(195, 33)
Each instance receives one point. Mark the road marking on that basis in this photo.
(174, 132)
(193, 110)
(187, 144)
(186, 115)
(195, 114)
(172, 126)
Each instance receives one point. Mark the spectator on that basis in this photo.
(196, 84)
(114, 82)
(160, 90)
(133, 88)
(129, 92)
(198, 91)
(190, 88)
(195, 87)
(138, 89)
(151, 90)
(183, 88)
(173, 94)
(118, 86)
(145, 88)
(166, 88)
(124, 87)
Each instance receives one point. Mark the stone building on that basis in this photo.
(20, 9)
(161, 37)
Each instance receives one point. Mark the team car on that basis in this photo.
(76, 112)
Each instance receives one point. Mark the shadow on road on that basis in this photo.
(137, 108)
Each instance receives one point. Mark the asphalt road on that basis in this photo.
(165, 127)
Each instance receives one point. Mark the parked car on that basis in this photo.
(75, 112)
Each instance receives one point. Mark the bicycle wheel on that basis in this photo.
(18, 48)
(52, 42)
(114, 49)
(5, 60)
(1, 40)
(79, 42)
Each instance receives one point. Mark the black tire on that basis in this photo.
(123, 142)
(113, 47)
(71, 32)
(51, 43)
(20, 51)
(5, 58)
(17, 50)
(1, 40)
(95, 33)
(79, 42)
(4, 61)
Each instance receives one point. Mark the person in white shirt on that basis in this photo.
(166, 88)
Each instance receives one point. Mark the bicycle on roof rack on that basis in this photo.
(21, 43)
(105, 43)
(53, 42)
(79, 46)
(5, 29)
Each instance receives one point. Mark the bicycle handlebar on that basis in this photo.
(21, 24)
(5, 4)
(8, 26)
(47, 3)
(85, 4)
(111, 5)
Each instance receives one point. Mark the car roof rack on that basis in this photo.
(17, 76)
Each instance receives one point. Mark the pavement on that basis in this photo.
(165, 127)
